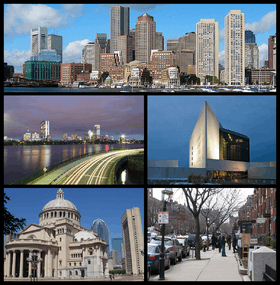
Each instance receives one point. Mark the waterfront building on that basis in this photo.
(120, 19)
(133, 72)
(35, 137)
(45, 129)
(64, 137)
(170, 77)
(263, 76)
(69, 71)
(207, 49)
(185, 60)
(68, 250)
(96, 132)
(145, 37)
(88, 54)
(252, 56)
(272, 52)
(126, 45)
(55, 43)
(101, 45)
(74, 137)
(27, 136)
(133, 241)
(102, 230)
(47, 55)
(42, 70)
(235, 48)
(39, 40)
(110, 62)
(250, 37)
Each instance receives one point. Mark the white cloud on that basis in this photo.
(222, 34)
(16, 58)
(265, 24)
(263, 50)
(21, 18)
(73, 51)
(222, 58)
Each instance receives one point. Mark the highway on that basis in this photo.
(95, 170)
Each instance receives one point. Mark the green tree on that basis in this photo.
(11, 223)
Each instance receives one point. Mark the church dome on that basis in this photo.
(84, 235)
(59, 202)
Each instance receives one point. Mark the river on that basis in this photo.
(20, 161)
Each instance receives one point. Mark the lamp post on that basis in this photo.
(163, 219)
(34, 261)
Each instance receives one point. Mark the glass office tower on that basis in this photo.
(45, 129)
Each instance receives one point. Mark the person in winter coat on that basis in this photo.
(223, 243)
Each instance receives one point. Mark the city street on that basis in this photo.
(211, 267)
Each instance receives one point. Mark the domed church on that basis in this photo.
(66, 249)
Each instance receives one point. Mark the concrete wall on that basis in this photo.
(262, 173)
(162, 163)
(227, 165)
(173, 172)
(260, 257)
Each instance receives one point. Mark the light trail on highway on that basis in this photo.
(94, 170)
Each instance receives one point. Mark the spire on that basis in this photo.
(59, 194)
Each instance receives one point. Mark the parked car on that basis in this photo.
(154, 255)
(185, 246)
(191, 241)
(172, 245)
(150, 236)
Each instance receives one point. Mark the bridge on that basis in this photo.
(98, 169)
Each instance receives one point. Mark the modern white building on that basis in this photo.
(39, 40)
(207, 48)
(45, 129)
(235, 48)
(97, 132)
(66, 249)
(88, 54)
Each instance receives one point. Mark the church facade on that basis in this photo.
(64, 248)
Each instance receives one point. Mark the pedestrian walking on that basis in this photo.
(223, 243)
(229, 242)
(214, 240)
(219, 242)
(234, 243)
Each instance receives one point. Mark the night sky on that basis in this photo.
(75, 115)
(171, 120)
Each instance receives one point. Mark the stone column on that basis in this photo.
(21, 263)
(29, 264)
(14, 264)
(49, 272)
(56, 263)
(39, 265)
(8, 263)
(46, 264)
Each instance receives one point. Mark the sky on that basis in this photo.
(171, 120)
(108, 204)
(79, 23)
(75, 115)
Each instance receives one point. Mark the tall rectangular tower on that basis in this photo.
(39, 40)
(235, 48)
(45, 129)
(133, 241)
(207, 48)
(55, 42)
(119, 25)
(97, 132)
(145, 37)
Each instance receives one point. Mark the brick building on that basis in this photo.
(70, 71)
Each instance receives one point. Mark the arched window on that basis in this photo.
(51, 214)
(55, 214)
(63, 214)
(68, 214)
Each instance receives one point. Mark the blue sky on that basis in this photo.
(108, 204)
(171, 120)
(79, 23)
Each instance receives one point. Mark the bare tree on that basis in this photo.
(196, 198)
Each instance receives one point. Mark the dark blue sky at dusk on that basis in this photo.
(171, 120)
(74, 115)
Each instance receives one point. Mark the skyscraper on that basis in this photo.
(55, 43)
(39, 40)
(235, 48)
(133, 241)
(249, 37)
(119, 25)
(145, 37)
(116, 245)
(45, 129)
(207, 48)
(97, 132)
(101, 228)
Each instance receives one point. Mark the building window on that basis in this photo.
(88, 261)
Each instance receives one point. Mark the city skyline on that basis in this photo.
(64, 20)
(78, 114)
(171, 120)
(109, 204)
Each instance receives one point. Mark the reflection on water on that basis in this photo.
(20, 161)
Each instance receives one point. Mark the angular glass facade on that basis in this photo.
(234, 146)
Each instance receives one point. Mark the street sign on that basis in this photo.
(253, 241)
(261, 220)
(163, 217)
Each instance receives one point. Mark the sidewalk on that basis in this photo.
(212, 267)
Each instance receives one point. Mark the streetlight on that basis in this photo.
(163, 219)
(34, 261)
